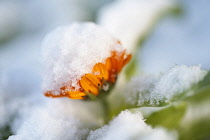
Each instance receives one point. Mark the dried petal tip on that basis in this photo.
(81, 59)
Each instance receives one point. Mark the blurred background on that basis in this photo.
(169, 38)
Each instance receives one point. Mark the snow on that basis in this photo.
(30, 115)
(20, 90)
(130, 20)
(41, 125)
(19, 76)
(69, 52)
(44, 118)
(128, 125)
(164, 88)
(137, 87)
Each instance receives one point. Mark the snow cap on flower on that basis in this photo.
(77, 59)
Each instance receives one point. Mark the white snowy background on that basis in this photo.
(173, 42)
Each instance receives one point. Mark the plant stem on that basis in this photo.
(105, 106)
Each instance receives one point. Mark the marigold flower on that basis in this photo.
(97, 75)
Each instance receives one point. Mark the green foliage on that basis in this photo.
(201, 91)
(5, 132)
(169, 117)
(198, 130)
(200, 96)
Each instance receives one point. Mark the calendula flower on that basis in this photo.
(81, 59)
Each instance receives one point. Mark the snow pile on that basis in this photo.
(41, 125)
(128, 126)
(55, 119)
(130, 20)
(71, 51)
(171, 84)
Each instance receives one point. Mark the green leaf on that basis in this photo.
(205, 81)
(198, 130)
(200, 96)
(201, 91)
(169, 117)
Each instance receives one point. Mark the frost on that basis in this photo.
(128, 126)
(169, 85)
(130, 20)
(71, 51)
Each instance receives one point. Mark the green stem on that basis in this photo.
(105, 106)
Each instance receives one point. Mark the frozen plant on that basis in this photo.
(152, 91)
(80, 59)
(85, 63)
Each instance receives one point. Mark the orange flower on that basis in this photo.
(92, 82)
